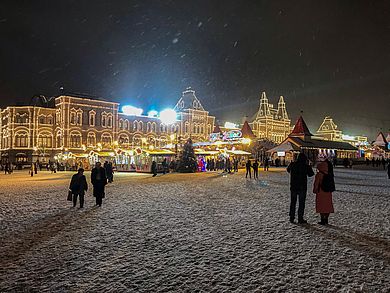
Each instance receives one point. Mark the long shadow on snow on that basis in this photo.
(376, 247)
(16, 245)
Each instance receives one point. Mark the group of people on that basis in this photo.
(323, 187)
(100, 177)
(255, 166)
(377, 162)
(7, 168)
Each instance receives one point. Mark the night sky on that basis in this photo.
(324, 57)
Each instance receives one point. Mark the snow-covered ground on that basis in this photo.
(193, 233)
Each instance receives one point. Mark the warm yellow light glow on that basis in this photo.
(218, 142)
(143, 140)
(151, 147)
(246, 141)
(172, 136)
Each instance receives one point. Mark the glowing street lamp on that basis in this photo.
(168, 116)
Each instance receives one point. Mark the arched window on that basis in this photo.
(73, 117)
(45, 140)
(162, 127)
(21, 139)
(137, 140)
(106, 139)
(91, 139)
(59, 139)
(58, 116)
(79, 117)
(75, 140)
(104, 120)
(49, 119)
(123, 139)
(151, 141)
(120, 123)
(140, 126)
(126, 124)
(92, 115)
(135, 125)
(21, 118)
(154, 127)
(148, 127)
(109, 121)
(187, 127)
(42, 119)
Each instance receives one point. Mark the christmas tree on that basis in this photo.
(187, 162)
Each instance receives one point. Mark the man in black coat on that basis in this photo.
(78, 186)
(154, 168)
(299, 171)
(99, 181)
(248, 166)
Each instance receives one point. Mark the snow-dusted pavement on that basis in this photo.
(193, 233)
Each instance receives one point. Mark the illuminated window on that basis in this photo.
(106, 139)
(92, 115)
(75, 140)
(91, 139)
(45, 140)
(21, 140)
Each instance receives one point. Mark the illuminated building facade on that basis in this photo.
(80, 125)
(271, 123)
(328, 130)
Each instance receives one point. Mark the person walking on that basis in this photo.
(154, 169)
(165, 166)
(388, 170)
(323, 187)
(99, 181)
(248, 166)
(299, 171)
(235, 165)
(255, 167)
(266, 164)
(78, 186)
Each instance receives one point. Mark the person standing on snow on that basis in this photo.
(323, 187)
(299, 171)
(248, 166)
(99, 181)
(255, 167)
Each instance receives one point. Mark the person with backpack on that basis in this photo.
(323, 187)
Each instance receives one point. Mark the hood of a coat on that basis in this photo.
(323, 167)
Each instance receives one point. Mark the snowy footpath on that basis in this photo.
(193, 233)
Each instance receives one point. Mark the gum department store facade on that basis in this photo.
(77, 126)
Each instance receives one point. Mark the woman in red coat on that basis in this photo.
(324, 204)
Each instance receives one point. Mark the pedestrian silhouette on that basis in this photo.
(78, 186)
(299, 171)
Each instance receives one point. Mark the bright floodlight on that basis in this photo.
(168, 116)
(131, 110)
(152, 113)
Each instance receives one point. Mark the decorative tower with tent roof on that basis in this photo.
(270, 123)
(195, 121)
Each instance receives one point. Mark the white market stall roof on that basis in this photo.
(283, 147)
(238, 152)
(205, 152)
(159, 152)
